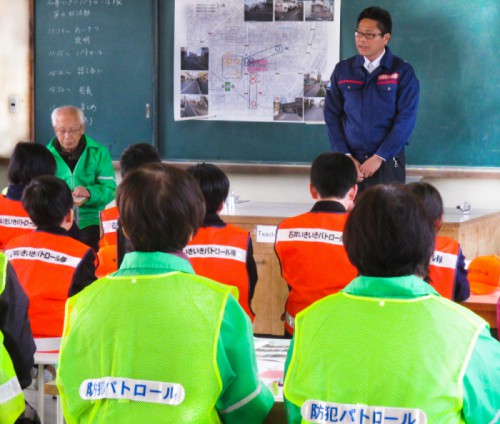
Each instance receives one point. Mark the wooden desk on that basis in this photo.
(271, 292)
(478, 234)
(485, 306)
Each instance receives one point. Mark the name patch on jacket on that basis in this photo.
(444, 260)
(310, 234)
(42, 254)
(388, 78)
(135, 390)
(215, 251)
(316, 411)
(16, 222)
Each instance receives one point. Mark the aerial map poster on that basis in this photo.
(254, 60)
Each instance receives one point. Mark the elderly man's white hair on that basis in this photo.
(74, 109)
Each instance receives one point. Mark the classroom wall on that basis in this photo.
(14, 72)
(480, 193)
(14, 80)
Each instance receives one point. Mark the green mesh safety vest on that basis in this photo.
(409, 354)
(11, 395)
(142, 350)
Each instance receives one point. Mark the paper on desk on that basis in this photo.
(271, 356)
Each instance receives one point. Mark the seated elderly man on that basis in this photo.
(86, 167)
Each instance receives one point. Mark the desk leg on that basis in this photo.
(41, 394)
(59, 414)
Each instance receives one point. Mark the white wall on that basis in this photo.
(271, 188)
(480, 193)
(14, 72)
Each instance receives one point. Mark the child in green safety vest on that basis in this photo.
(388, 347)
(153, 342)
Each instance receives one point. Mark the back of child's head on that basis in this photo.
(389, 234)
(333, 174)
(30, 160)
(47, 199)
(136, 155)
(160, 207)
(213, 182)
(431, 199)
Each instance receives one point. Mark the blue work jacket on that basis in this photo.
(375, 113)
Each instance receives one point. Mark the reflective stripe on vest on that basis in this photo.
(109, 224)
(310, 235)
(9, 390)
(442, 269)
(177, 319)
(14, 220)
(48, 344)
(398, 350)
(220, 253)
(289, 320)
(216, 251)
(313, 260)
(134, 390)
(45, 265)
(314, 411)
(27, 253)
(11, 394)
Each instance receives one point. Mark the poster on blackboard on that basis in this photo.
(254, 60)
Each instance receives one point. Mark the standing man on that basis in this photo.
(86, 167)
(371, 103)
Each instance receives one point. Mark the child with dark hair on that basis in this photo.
(28, 160)
(220, 251)
(388, 345)
(113, 244)
(153, 339)
(447, 272)
(50, 264)
(309, 246)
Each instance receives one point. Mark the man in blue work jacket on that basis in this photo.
(371, 103)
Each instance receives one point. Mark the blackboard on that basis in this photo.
(98, 55)
(451, 44)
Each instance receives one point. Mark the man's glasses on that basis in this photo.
(367, 35)
(70, 132)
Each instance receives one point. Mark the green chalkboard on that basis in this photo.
(98, 55)
(451, 44)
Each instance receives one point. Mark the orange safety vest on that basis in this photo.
(443, 266)
(14, 220)
(313, 259)
(220, 253)
(45, 265)
(109, 225)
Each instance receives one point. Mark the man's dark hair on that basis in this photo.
(30, 160)
(213, 182)
(389, 234)
(136, 155)
(430, 197)
(381, 16)
(160, 207)
(333, 174)
(47, 199)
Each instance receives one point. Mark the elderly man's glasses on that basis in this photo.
(70, 132)
(367, 35)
